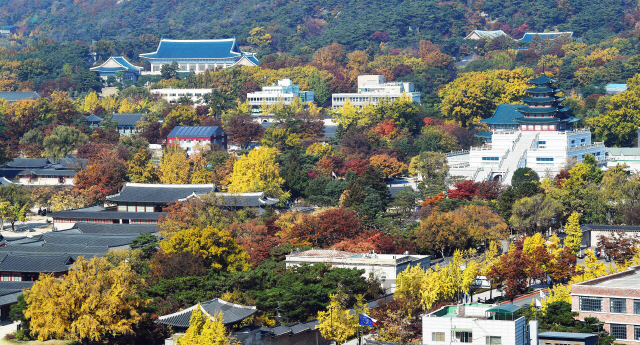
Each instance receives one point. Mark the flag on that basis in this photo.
(366, 320)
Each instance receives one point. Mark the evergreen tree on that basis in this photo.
(320, 90)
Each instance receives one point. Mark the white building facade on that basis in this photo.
(479, 324)
(538, 135)
(173, 95)
(284, 92)
(372, 89)
(385, 267)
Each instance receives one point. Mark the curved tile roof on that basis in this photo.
(195, 49)
(159, 193)
(231, 313)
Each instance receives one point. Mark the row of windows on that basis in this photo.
(361, 99)
(490, 158)
(270, 99)
(105, 221)
(465, 337)
(620, 331)
(11, 278)
(183, 94)
(539, 159)
(617, 305)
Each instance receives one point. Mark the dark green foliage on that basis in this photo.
(169, 71)
(16, 313)
(147, 242)
(511, 194)
(296, 293)
(294, 166)
(524, 175)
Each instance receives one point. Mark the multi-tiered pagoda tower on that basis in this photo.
(544, 111)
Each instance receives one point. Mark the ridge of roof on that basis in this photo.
(168, 185)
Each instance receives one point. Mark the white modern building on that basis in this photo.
(173, 95)
(538, 135)
(480, 324)
(385, 267)
(629, 156)
(372, 89)
(284, 92)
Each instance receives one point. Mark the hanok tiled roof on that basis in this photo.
(487, 34)
(70, 163)
(195, 49)
(93, 118)
(257, 199)
(231, 313)
(292, 329)
(542, 79)
(127, 119)
(13, 96)
(528, 37)
(10, 290)
(159, 193)
(53, 249)
(116, 64)
(90, 240)
(195, 131)
(36, 264)
(101, 228)
(25, 163)
(505, 114)
(81, 214)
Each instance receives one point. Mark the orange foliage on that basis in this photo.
(387, 128)
(387, 164)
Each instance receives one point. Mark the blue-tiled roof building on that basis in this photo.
(188, 137)
(528, 37)
(118, 64)
(199, 55)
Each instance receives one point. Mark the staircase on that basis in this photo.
(514, 157)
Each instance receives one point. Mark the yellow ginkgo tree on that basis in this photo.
(93, 300)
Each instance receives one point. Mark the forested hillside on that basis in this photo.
(300, 26)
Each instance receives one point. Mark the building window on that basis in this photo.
(618, 305)
(544, 159)
(490, 158)
(636, 332)
(464, 337)
(437, 336)
(636, 307)
(619, 331)
(590, 303)
(542, 142)
(494, 340)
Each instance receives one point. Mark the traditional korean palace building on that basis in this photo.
(142, 203)
(117, 64)
(42, 171)
(199, 55)
(539, 135)
(482, 34)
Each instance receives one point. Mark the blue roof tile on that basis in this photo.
(195, 49)
(195, 131)
(505, 115)
(122, 65)
(548, 35)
